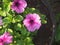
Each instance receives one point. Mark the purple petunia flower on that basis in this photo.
(6, 38)
(19, 5)
(32, 22)
(1, 21)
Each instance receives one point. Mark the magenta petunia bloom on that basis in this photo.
(32, 22)
(19, 5)
(6, 38)
(1, 21)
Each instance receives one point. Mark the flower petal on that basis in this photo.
(35, 24)
(21, 6)
(20, 10)
(1, 43)
(23, 3)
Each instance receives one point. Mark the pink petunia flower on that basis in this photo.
(1, 21)
(6, 38)
(19, 5)
(32, 22)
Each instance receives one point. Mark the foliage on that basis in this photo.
(13, 23)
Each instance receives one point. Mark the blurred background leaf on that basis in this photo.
(57, 37)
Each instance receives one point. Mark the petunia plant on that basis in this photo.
(18, 22)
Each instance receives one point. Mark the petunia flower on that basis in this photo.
(6, 38)
(19, 5)
(1, 21)
(32, 22)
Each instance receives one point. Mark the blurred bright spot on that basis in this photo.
(33, 8)
(10, 30)
(19, 25)
(14, 41)
(0, 27)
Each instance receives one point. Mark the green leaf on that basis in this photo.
(2, 13)
(23, 31)
(18, 18)
(31, 10)
(28, 41)
(6, 1)
(13, 20)
(43, 16)
(43, 19)
(10, 30)
(6, 7)
(7, 20)
(17, 26)
(20, 42)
